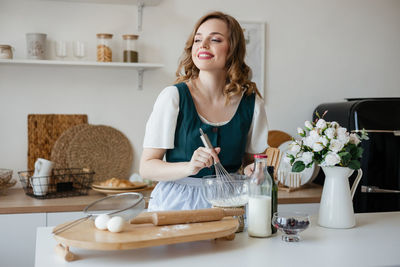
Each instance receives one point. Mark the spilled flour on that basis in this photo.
(175, 227)
(181, 226)
(172, 228)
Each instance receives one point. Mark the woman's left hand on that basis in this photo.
(249, 169)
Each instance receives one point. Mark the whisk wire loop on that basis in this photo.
(227, 183)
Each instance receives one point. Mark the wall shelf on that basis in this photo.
(139, 3)
(139, 67)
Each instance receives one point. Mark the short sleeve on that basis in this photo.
(257, 139)
(160, 128)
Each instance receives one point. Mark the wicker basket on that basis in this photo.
(62, 183)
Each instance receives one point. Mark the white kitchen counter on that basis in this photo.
(375, 241)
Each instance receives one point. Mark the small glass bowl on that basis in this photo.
(226, 193)
(290, 224)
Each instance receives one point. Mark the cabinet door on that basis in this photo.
(56, 218)
(18, 238)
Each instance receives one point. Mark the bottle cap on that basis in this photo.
(130, 37)
(104, 35)
(260, 156)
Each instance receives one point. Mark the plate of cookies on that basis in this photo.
(116, 186)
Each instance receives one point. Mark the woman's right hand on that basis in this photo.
(202, 157)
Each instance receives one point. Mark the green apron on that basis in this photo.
(231, 137)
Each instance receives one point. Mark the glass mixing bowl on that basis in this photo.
(225, 193)
(291, 224)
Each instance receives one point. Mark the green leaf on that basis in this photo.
(359, 152)
(353, 151)
(354, 164)
(364, 135)
(345, 156)
(298, 166)
(310, 164)
(292, 158)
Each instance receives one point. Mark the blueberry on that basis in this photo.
(291, 222)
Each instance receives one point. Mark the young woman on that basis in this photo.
(213, 92)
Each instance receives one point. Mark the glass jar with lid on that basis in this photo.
(130, 51)
(104, 51)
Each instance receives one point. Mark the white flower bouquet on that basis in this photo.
(327, 144)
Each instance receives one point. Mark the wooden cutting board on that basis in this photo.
(276, 138)
(44, 130)
(85, 235)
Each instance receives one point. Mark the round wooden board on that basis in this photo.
(135, 185)
(276, 138)
(103, 149)
(60, 147)
(85, 235)
(118, 191)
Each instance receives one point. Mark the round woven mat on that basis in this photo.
(102, 149)
(60, 147)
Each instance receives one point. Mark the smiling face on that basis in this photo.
(211, 45)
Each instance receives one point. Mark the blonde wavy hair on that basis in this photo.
(238, 73)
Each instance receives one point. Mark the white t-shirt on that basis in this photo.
(160, 128)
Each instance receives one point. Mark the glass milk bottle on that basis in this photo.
(260, 199)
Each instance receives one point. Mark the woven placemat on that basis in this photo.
(102, 149)
(45, 129)
(60, 147)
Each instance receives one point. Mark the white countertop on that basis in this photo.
(375, 241)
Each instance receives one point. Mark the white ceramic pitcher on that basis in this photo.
(336, 207)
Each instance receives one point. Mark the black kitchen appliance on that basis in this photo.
(379, 188)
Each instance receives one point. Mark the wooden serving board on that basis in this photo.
(135, 185)
(118, 191)
(44, 130)
(85, 235)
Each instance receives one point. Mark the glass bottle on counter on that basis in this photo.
(104, 52)
(274, 205)
(260, 199)
(130, 52)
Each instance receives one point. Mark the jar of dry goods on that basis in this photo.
(129, 46)
(104, 52)
(6, 52)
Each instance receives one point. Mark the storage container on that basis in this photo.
(104, 51)
(129, 46)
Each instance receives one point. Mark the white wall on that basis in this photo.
(316, 51)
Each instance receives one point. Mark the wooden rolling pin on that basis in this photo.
(185, 216)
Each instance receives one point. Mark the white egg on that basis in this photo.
(101, 221)
(116, 224)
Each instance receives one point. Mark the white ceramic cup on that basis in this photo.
(41, 176)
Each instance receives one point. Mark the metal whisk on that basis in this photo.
(227, 186)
